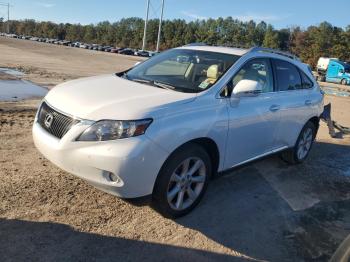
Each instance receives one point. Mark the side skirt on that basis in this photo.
(274, 151)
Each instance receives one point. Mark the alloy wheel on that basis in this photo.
(186, 183)
(305, 143)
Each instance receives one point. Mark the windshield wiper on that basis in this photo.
(141, 81)
(163, 85)
(151, 82)
(154, 83)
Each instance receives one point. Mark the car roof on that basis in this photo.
(217, 49)
(272, 53)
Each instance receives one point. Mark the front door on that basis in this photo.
(252, 119)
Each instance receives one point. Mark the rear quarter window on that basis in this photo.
(306, 82)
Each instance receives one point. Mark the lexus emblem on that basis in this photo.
(48, 120)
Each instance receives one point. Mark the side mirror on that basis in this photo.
(247, 88)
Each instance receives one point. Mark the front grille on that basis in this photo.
(55, 122)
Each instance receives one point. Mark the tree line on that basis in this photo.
(309, 44)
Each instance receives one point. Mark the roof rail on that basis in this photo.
(274, 51)
(196, 44)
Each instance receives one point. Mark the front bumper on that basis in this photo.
(136, 161)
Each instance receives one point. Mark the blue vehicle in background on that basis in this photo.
(333, 70)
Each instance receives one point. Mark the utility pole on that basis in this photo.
(8, 18)
(160, 26)
(145, 28)
(8, 15)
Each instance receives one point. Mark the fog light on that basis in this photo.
(113, 177)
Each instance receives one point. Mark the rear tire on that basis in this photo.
(302, 147)
(182, 181)
(344, 82)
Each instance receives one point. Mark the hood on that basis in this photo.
(112, 97)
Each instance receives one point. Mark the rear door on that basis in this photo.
(294, 96)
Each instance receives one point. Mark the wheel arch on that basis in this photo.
(211, 148)
(316, 121)
(208, 144)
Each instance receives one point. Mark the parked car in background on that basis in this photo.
(84, 46)
(94, 46)
(117, 50)
(333, 70)
(165, 127)
(142, 53)
(101, 48)
(108, 48)
(114, 50)
(152, 53)
(126, 51)
(65, 42)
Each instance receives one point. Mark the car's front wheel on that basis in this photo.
(302, 147)
(182, 181)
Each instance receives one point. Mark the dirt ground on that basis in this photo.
(48, 64)
(263, 211)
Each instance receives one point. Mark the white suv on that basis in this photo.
(164, 127)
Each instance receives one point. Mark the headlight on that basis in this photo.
(110, 130)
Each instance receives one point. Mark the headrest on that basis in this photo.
(213, 71)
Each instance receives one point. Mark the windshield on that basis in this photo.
(183, 70)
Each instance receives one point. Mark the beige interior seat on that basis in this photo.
(212, 74)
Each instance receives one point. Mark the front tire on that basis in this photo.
(344, 82)
(182, 181)
(302, 147)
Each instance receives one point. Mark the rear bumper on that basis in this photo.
(136, 161)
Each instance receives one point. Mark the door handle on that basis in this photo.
(308, 102)
(274, 108)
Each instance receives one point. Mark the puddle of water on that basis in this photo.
(12, 72)
(335, 92)
(14, 90)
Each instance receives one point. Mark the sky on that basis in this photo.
(279, 13)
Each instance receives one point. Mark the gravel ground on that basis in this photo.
(264, 211)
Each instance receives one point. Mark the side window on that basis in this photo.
(306, 82)
(258, 70)
(287, 75)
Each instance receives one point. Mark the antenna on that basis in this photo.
(8, 15)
